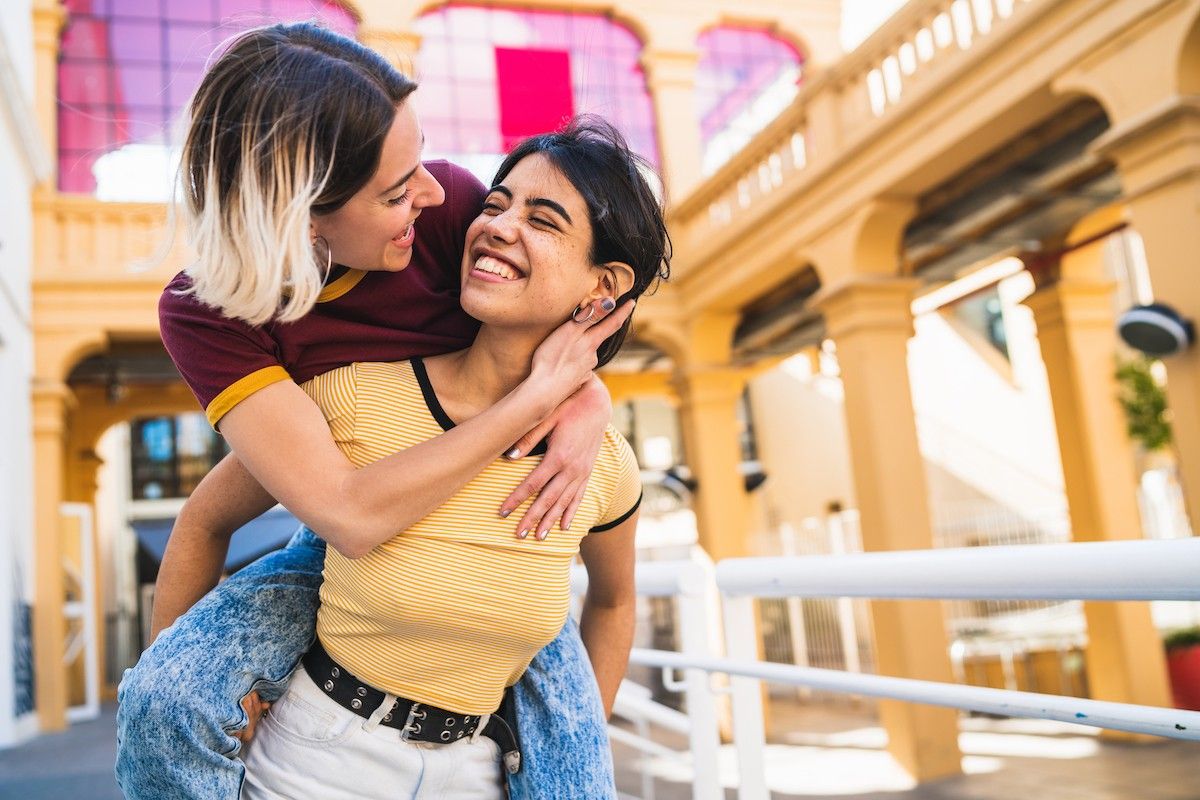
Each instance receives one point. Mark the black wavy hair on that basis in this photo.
(624, 210)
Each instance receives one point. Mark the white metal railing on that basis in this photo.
(1104, 571)
(691, 584)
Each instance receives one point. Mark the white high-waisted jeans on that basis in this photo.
(308, 746)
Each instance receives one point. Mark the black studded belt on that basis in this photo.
(416, 722)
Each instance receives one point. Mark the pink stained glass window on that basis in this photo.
(744, 79)
(128, 67)
(534, 88)
(461, 101)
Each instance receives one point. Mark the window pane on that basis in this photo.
(744, 79)
(137, 62)
(460, 88)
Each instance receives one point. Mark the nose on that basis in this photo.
(501, 227)
(429, 192)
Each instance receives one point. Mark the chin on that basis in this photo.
(394, 262)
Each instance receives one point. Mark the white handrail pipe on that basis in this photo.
(1127, 570)
(1167, 722)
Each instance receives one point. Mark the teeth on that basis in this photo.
(496, 267)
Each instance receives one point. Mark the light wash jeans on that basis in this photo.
(181, 700)
(310, 746)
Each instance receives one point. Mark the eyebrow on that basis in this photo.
(543, 202)
(407, 176)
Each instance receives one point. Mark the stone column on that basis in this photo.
(870, 321)
(49, 18)
(671, 81)
(50, 404)
(709, 398)
(1158, 157)
(709, 388)
(1076, 330)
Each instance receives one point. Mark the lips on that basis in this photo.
(491, 266)
(406, 238)
(495, 266)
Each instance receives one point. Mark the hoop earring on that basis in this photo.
(588, 318)
(328, 253)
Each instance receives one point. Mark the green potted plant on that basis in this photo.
(1183, 666)
(1144, 402)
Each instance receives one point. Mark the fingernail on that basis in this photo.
(608, 304)
(504, 512)
(521, 534)
(514, 453)
(541, 535)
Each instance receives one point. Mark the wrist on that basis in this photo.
(535, 397)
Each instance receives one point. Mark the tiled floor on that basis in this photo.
(813, 755)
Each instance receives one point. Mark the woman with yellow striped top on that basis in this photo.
(419, 638)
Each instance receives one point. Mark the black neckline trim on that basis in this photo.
(431, 399)
(435, 406)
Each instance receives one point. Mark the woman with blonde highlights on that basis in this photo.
(324, 240)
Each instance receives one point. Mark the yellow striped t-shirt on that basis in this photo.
(452, 610)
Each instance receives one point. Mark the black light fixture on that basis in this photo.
(1156, 329)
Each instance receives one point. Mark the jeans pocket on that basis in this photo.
(308, 720)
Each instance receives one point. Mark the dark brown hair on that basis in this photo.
(289, 121)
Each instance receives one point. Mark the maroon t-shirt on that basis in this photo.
(361, 316)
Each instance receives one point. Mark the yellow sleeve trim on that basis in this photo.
(342, 285)
(241, 389)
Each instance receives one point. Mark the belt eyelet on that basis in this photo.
(329, 686)
(445, 736)
(335, 672)
(416, 728)
(356, 704)
(419, 715)
(451, 722)
(361, 692)
(387, 717)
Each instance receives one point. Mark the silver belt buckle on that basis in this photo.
(411, 726)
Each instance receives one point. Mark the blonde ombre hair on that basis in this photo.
(288, 122)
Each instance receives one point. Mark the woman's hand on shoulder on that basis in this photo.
(575, 432)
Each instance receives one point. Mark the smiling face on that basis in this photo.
(528, 255)
(375, 228)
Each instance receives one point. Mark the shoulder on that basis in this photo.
(179, 309)
(464, 192)
(615, 446)
(616, 465)
(177, 294)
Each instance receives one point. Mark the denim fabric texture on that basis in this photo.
(178, 704)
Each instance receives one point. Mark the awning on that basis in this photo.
(268, 532)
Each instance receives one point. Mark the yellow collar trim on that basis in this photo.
(342, 285)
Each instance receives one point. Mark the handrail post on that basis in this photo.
(748, 726)
(694, 584)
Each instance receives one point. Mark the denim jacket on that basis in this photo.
(182, 699)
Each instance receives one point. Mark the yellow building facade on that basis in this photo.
(864, 194)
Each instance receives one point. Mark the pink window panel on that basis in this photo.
(534, 91)
(736, 66)
(474, 102)
(128, 67)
